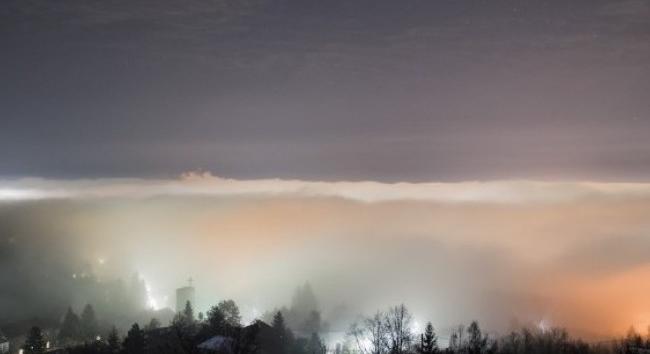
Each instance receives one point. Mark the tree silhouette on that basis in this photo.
(69, 330)
(477, 343)
(34, 344)
(113, 341)
(457, 341)
(88, 323)
(216, 320)
(315, 345)
(312, 323)
(633, 339)
(153, 324)
(453, 342)
(428, 341)
(398, 327)
(370, 334)
(188, 312)
(230, 312)
(184, 322)
(134, 341)
(303, 305)
(278, 323)
(283, 335)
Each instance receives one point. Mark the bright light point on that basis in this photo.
(543, 325)
(416, 328)
(152, 302)
(101, 261)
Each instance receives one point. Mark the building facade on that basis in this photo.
(183, 295)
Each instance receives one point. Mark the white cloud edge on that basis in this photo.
(206, 184)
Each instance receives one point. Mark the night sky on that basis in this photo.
(413, 90)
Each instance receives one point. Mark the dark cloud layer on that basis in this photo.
(387, 90)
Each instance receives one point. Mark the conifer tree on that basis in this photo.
(283, 334)
(134, 341)
(428, 341)
(88, 324)
(477, 343)
(315, 345)
(153, 324)
(216, 320)
(35, 343)
(113, 341)
(69, 327)
(188, 312)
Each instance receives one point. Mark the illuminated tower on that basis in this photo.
(183, 295)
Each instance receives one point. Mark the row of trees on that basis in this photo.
(224, 319)
(390, 332)
(303, 315)
(186, 331)
(385, 332)
(285, 341)
(76, 328)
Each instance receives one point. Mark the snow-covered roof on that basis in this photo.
(217, 343)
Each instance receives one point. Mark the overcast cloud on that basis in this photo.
(326, 90)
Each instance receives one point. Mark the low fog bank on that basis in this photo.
(578, 262)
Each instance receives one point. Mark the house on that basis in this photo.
(258, 338)
(163, 340)
(4, 344)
